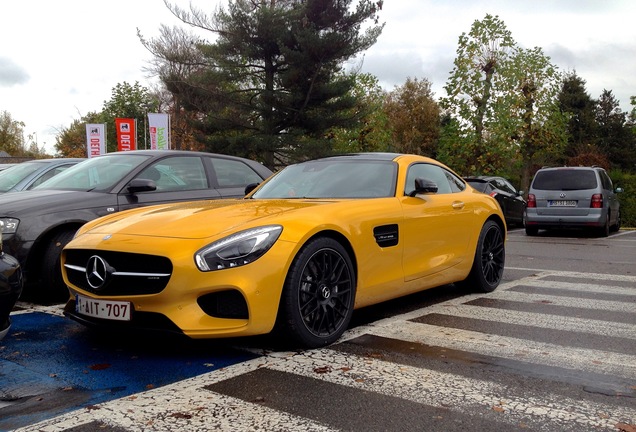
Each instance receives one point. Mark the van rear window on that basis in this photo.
(564, 179)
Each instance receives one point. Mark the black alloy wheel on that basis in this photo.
(490, 257)
(319, 294)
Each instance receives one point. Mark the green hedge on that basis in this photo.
(627, 199)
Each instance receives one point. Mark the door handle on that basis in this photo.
(458, 205)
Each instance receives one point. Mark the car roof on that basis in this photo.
(483, 177)
(365, 156)
(54, 160)
(571, 168)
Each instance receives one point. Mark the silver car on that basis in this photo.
(573, 197)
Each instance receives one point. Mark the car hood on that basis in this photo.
(24, 203)
(198, 219)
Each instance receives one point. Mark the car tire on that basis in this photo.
(522, 224)
(319, 294)
(604, 231)
(52, 286)
(488, 264)
(616, 227)
(531, 231)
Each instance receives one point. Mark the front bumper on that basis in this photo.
(11, 284)
(188, 303)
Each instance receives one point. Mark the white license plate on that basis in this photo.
(561, 203)
(105, 309)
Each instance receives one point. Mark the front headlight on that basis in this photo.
(9, 225)
(238, 249)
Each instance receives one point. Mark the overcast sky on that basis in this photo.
(60, 60)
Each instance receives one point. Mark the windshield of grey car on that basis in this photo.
(332, 178)
(100, 173)
(11, 176)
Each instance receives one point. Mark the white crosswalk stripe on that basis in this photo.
(192, 407)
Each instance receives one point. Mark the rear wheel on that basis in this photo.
(52, 286)
(604, 231)
(617, 225)
(319, 294)
(490, 257)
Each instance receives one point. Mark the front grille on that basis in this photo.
(127, 273)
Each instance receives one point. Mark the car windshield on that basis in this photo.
(100, 173)
(332, 178)
(565, 179)
(11, 176)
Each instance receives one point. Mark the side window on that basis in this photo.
(606, 181)
(177, 173)
(232, 173)
(446, 181)
(505, 186)
(47, 175)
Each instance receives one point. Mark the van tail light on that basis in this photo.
(532, 201)
(597, 201)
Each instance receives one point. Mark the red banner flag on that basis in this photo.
(126, 134)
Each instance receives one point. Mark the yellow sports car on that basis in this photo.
(297, 255)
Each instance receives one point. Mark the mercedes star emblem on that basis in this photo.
(97, 272)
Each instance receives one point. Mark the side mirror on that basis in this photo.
(141, 185)
(423, 186)
(619, 190)
(250, 187)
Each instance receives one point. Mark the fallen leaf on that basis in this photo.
(100, 366)
(624, 427)
(345, 369)
(181, 415)
(498, 409)
(323, 369)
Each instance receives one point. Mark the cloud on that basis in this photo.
(11, 73)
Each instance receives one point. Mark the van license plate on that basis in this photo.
(561, 203)
(105, 309)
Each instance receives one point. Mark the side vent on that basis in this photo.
(386, 235)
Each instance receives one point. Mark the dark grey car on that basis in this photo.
(39, 222)
(573, 197)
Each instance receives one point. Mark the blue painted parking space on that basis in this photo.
(50, 365)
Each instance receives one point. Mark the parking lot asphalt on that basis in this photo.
(50, 365)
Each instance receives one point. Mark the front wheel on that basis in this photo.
(319, 294)
(490, 256)
(51, 286)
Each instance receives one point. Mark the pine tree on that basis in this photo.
(271, 84)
